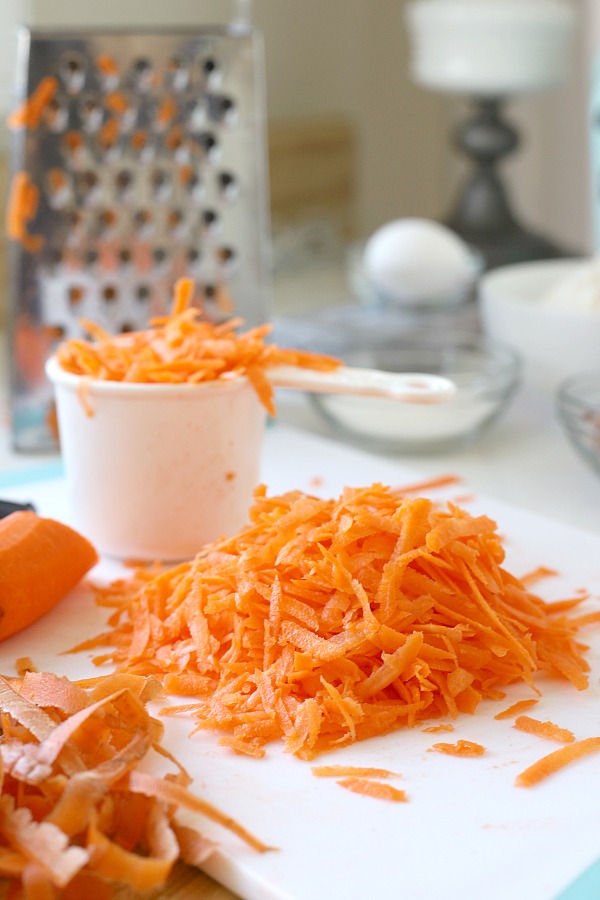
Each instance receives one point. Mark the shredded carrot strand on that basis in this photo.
(557, 760)
(460, 748)
(377, 789)
(544, 729)
(29, 114)
(516, 708)
(360, 771)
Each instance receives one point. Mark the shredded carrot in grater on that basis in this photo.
(29, 114)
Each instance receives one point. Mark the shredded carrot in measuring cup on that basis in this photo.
(185, 346)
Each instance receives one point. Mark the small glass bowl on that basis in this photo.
(578, 411)
(486, 377)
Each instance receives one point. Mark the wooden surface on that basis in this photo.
(185, 883)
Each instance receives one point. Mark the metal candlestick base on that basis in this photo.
(482, 216)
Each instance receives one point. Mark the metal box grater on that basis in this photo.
(136, 158)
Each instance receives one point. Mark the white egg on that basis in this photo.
(418, 261)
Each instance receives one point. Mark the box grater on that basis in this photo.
(137, 157)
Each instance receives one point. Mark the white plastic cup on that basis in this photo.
(158, 470)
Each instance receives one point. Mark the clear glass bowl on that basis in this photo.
(578, 411)
(486, 376)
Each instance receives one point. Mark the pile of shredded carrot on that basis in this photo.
(328, 621)
(78, 814)
(185, 346)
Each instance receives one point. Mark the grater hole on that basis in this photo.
(196, 113)
(175, 143)
(227, 257)
(211, 71)
(108, 135)
(159, 183)
(55, 332)
(193, 256)
(159, 255)
(222, 109)
(73, 220)
(175, 220)
(55, 257)
(90, 257)
(123, 182)
(91, 114)
(142, 220)
(72, 144)
(127, 327)
(208, 144)
(139, 142)
(56, 115)
(57, 187)
(109, 293)
(72, 71)
(178, 75)
(107, 221)
(87, 184)
(142, 293)
(108, 70)
(143, 75)
(228, 185)
(75, 295)
(125, 257)
(210, 219)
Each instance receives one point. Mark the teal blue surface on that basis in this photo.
(44, 472)
(586, 887)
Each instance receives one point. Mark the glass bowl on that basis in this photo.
(486, 375)
(578, 411)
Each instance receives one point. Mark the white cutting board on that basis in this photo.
(466, 831)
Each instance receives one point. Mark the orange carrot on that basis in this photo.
(328, 621)
(184, 347)
(516, 708)
(29, 114)
(41, 560)
(434, 729)
(460, 748)
(360, 771)
(377, 789)
(544, 729)
(557, 760)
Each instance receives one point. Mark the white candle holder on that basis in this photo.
(489, 51)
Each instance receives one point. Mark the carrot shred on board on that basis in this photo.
(544, 729)
(185, 346)
(557, 760)
(351, 771)
(75, 808)
(377, 789)
(328, 621)
(517, 708)
(435, 729)
(460, 748)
